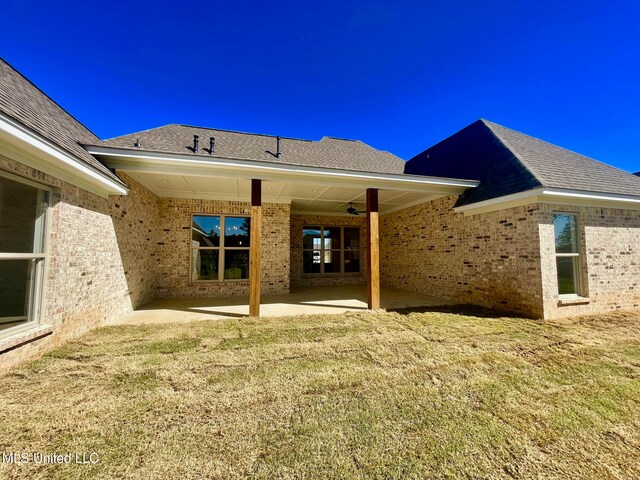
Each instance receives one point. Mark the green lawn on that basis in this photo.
(360, 395)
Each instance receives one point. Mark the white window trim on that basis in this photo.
(342, 250)
(41, 263)
(221, 249)
(577, 265)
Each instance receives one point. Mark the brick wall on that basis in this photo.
(506, 259)
(174, 242)
(491, 259)
(101, 256)
(610, 260)
(100, 263)
(297, 224)
(109, 256)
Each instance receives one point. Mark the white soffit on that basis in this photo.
(553, 196)
(166, 163)
(307, 189)
(23, 145)
(302, 197)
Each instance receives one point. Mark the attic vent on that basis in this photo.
(212, 145)
(196, 143)
(277, 153)
(137, 144)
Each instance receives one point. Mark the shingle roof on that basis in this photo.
(24, 102)
(328, 152)
(507, 162)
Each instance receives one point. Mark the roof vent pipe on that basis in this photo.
(196, 143)
(277, 147)
(212, 145)
(137, 144)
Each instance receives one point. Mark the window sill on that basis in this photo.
(24, 336)
(337, 274)
(218, 282)
(573, 300)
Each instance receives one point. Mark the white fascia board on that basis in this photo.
(152, 162)
(19, 143)
(591, 196)
(553, 195)
(499, 203)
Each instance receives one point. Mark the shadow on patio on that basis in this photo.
(301, 301)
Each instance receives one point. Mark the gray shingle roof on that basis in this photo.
(24, 102)
(507, 162)
(327, 153)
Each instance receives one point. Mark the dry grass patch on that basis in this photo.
(389, 395)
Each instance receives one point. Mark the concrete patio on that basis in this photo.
(301, 301)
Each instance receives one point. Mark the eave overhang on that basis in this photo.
(168, 163)
(25, 146)
(560, 196)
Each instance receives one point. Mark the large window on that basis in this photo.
(219, 248)
(23, 207)
(330, 250)
(565, 226)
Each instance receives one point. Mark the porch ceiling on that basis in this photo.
(308, 190)
(302, 197)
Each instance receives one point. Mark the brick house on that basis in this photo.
(91, 229)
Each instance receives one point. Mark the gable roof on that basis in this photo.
(328, 152)
(24, 102)
(507, 162)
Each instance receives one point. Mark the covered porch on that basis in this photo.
(301, 301)
(245, 237)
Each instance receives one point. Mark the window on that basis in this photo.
(330, 250)
(23, 207)
(220, 248)
(565, 226)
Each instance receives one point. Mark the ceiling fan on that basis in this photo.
(351, 210)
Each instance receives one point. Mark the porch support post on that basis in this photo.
(254, 249)
(373, 251)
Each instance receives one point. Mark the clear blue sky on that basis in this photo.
(398, 75)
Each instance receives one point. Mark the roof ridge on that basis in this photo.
(244, 133)
(48, 97)
(371, 147)
(136, 133)
(486, 122)
(509, 147)
(342, 139)
(255, 134)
